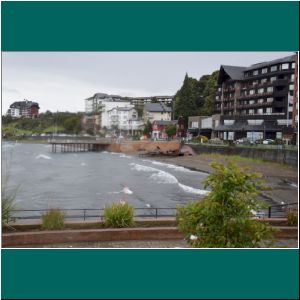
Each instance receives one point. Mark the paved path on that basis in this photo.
(284, 243)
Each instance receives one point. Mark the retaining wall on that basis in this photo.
(289, 157)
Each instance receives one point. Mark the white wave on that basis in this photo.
(125, 156)
(164, 177)
(167, 178)
(174, 167)
(138, 167)
(126, 190)
(148, 205)
(43, 156)
(192, 190)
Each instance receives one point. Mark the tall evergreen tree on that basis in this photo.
(185, 99)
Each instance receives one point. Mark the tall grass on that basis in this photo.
(118, 215)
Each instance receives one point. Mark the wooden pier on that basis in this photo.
(67, 146)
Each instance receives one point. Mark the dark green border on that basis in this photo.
(151, 26)
(173, 274)
(156, 26)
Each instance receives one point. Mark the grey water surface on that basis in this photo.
(93, 179)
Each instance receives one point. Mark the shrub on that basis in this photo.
(53, 219)
(225, 217)
(200, 139)
(118, 215)
(7, 203)
(292, 217)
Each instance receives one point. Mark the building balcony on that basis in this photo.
(255, 95)
(263, 104)
(281, 93)
(281, 82)
(228, 108)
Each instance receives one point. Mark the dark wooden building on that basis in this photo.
(257, 102)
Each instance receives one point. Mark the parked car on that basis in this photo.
(215, 141)
(244, 141)
(268, 142)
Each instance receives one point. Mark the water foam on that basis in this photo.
(167, 178)
(126, 190)
(192, 190)
(43, 156)
(174, 167)
(125, 156)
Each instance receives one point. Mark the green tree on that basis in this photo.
(208, 95)
(148, 128)
(185, 99)
(225, 217)
(170, 130)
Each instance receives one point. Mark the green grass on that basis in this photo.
(238, 158)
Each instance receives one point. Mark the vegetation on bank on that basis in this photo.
(53, 219)
(46, 123)
(118, 215)
(225, 218)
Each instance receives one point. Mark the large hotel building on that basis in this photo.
(258, 102)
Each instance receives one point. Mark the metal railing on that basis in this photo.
(273, 211)
(92, 213)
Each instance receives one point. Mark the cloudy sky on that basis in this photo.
(62, 80)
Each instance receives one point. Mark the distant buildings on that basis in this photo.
(258, 102)
(24, 108)
(113, 111)
(159, 129)
(157, 111)
(124, 118)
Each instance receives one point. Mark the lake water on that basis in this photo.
(94, 179)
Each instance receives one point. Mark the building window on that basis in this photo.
(264, 80)
(251, 102)
(293, 65)
(251, 111)
(269, 110)
(260, 111)
(291, 87)
(255, 72)
(272, 79)
(260, 91)
(246, 74)
(195, 124)
(264, 71)
(255, 82)
(274, 68)
(270, 100)
(285, 66)
(270, 89)
(292, 77)
(251, 92)
(260, 100)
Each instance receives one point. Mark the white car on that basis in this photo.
(268, 141)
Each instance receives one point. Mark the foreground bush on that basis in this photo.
(118, 215)
(53, 220)
(224, 218)
(292, 217)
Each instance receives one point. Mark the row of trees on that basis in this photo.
(195, 97)
(47, 123)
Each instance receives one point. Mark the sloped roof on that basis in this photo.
(24, 104)
(286, 59)
(157, 107)
(231, 72)
(164, 123)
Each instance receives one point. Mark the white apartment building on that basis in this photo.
(124, 118)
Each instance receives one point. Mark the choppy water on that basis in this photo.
(93, 179)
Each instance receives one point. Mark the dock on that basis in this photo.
(67, 146)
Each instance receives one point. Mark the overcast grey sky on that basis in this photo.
(62, 80)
